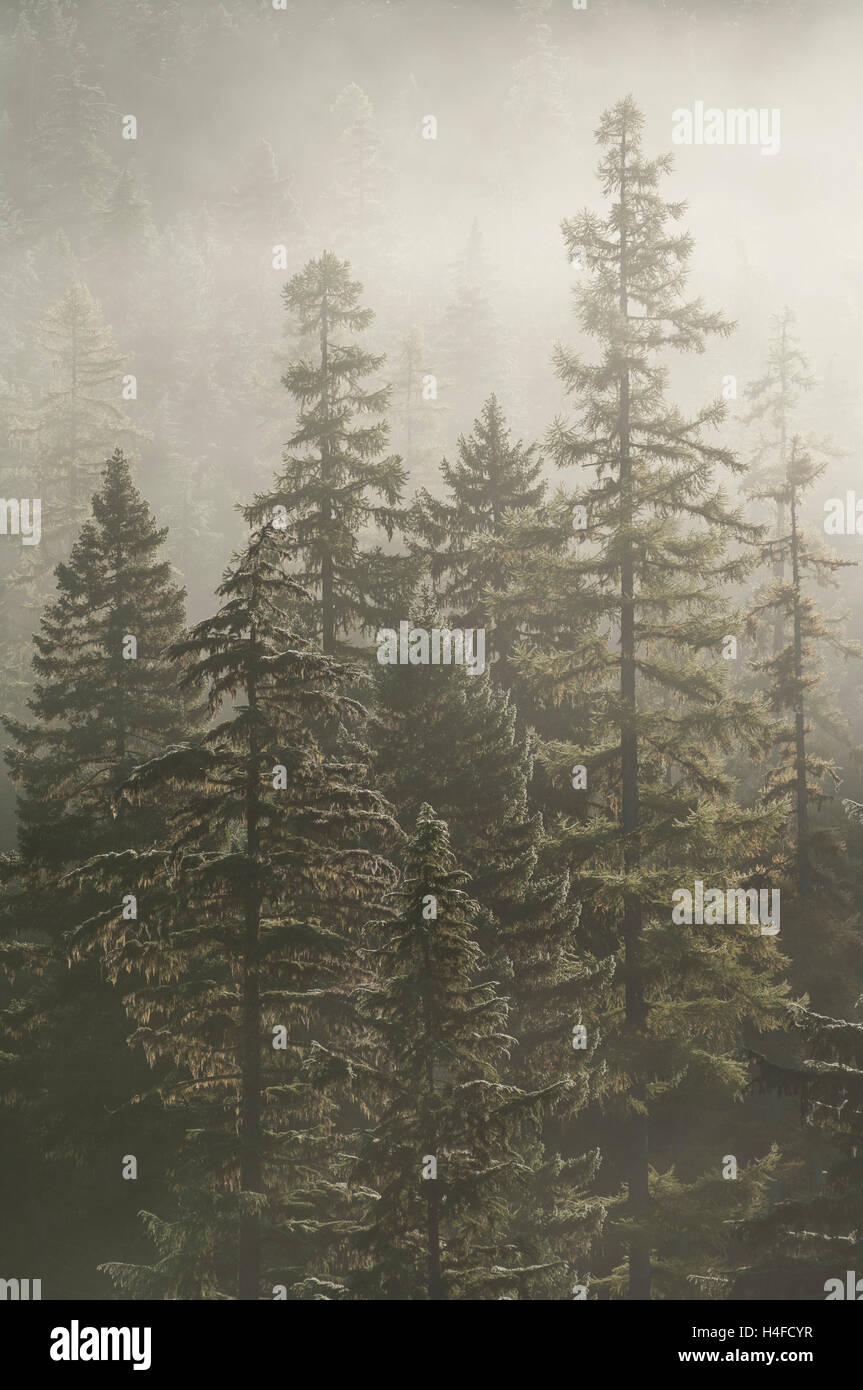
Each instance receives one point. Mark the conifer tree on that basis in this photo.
(803, 1248)
(773, 400)
(241, 956)
(72, 169)
(454, 737)
(80, 412)
(800, 776)
(645, 663)
(416, 411)
(335, 483)
(470, 336)
(97, 710)
(126, 230)
(461, 535)
(445, 1152)
(361, 171)
(265, 197)
(537, 97)
(59, 438)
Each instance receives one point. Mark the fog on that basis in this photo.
(167, 168)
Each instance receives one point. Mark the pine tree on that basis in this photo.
(241, 956)
(265, 198)
(461, 535)
(537, 98)
(94, 715)
(72, 169)
(645, 665)
(416, 412)
(799, 776)
(445, 1152)
(470, 336)
(454, 737)
(59, 438)
(361, 172)
(773, 400)
(333, 466)
(803, 1248)
(126, 230)
(80, 412)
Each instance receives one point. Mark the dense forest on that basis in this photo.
(431, 826)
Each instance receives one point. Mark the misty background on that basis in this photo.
(266, 136)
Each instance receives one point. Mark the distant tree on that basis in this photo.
(416, 412)
(799, 776)
(58, 435)
(537, 100)
(772, 402)
(335, 466)
(361, 172)
(470, 336)
(127, 228)
(72, 170)
(79, 412)
(264, 201)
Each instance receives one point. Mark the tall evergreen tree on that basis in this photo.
(445, 1152)
(772, 402)
(460, 535)
(59, 438)
(79, 412)
(537, 98)
(645, 663)
(72, 168)
(454, 737)
(98, 707)
(335, 484)
(804, 1248)
(361, 172)
(469, 345)
(241, 957)
(417, 413)
(799, 775)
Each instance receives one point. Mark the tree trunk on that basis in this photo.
(328, 625)
(250, 1079)
(779, 563)
(637, 1156)
(803, 875)
(435, 1275)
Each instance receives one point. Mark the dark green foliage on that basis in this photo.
(442, 1107)
(333, 465)
(247, 923)
(798, 778)
(445, 734)
(460, 536)
(95, 715)
(648, 568)
(793, 1250)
